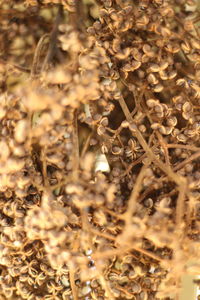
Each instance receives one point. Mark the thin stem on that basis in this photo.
(76, 148)
(187, 147)
(132, 202)
(53, 39)
(37, 54)
(72, 283)
(187, 160)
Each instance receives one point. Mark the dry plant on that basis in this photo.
(100, 151)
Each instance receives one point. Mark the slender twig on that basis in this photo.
(86, 145)
(187, 147)
(53, 39)
(132, 202)
(36, 58)
(72, 283)
(187, 160)
(76, 148)
(164, 146)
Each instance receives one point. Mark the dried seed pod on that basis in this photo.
(146, 48)
(185, 46)
(142, 21)
(181, 138)
(104, 121)
(123, 54)
(182, 82)
(152, 79)
(195, 44)
(125, 124)
(163, 75)
(165, 32)
(172, 74)
(188, 25)
(117, 150)
(167, 11)
(135, 287)
(172, 48)
(145, 58)
(164, 65)
(172, 121)
(152, 102)
(158, 88)
(135, 65)
(21, 131)
(153, 68)
(101, 130)
(137, 55)
(187, 107)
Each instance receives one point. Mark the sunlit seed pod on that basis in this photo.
(129, 153)
(104, 149)
(167, 130)
(178, 99)
(151, 78)
(123, 54)
(101, 130)
(166, 11)
(125, 124)
(165, 32)
(21, 131)
(172, 74)
(127, 68)
(163, 75)
(188, 25)
(104, 121)
(181, 138)
(114, 16)
(186, 115)
(194, 185)
(116, 45)
(155, 126)
(116, 150)
(158, 2)
(152, 102)
(195, 44)
(172, 48)
(146, 48)
(145, 58)
(137, 56)
(142, 21)
(164, 65)
(135, 65)
(142, 128)
(172, 121)
(182, 82)
(132, 143)
(154, 68)
(185, 46)
(8, 293)
(187, 107)
(5, 151)
(114, 74)
(158, 88)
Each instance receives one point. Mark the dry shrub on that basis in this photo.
(100, 125)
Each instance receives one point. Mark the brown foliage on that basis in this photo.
(99, 160)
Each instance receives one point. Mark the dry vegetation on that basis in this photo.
(84, 81)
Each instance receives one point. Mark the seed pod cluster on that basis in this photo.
(99, 140)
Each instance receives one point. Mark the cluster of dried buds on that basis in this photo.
(99, 139)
